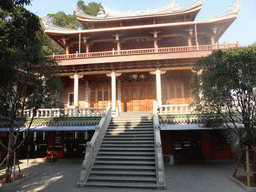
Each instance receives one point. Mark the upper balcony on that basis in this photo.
(138, 55)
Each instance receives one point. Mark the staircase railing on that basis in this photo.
(158, 154)
(93, 146)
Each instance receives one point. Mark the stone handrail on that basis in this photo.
(93, 146)
(59, 112)
(158, 154)
(84, 112)
(144, 51)
(175, 109)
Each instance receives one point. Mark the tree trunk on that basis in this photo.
(9, 161)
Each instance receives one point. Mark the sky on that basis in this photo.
(242, 30)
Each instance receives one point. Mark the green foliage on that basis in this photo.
(91, 9)
(224, 85)
(67, 21)
(70, 21)
(27, 76)
(49, 46)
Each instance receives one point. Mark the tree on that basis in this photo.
(91, 9)
(70, 21)
(49, 46)
(66, 21)
(27, 75)
(224, 86)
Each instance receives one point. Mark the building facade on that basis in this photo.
(131, 59)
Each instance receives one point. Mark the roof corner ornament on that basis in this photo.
(232, 11)
(102, 13)
(235, 5)
(48, 25)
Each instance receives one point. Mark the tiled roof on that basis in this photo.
(171, 8)
(57, 121)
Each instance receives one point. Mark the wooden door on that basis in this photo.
(138, 96)
(126, 93)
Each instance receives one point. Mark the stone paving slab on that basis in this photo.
(210, 176)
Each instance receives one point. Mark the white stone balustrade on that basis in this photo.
(158, 154)
(68, 112)
(175, 109)
(93, 146)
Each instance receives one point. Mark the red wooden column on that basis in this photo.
(206, 144)
(156, 38)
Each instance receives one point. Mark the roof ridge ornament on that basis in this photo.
(105, 12)
(233, 10)
(48, 25)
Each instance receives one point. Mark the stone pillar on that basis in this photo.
(76, 86)
(158, 85)
(113, 90)
(113, 76)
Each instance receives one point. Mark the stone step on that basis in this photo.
(108, 138)
(136, 113)
(122, 178)
(142, 126)
(126, 149)
(127, 145)
(123, 173)
(128, 122)
(130, 135)
(117, 128)
(125, 158)
(127, 162)
(128, 142)
(124, 167)
(126, 153)
(121, 184)
(145, 128)
(133, 118)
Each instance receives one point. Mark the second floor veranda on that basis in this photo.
(160, 53)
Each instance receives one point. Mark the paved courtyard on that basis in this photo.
(63, 175)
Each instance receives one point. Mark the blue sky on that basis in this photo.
(242, 30)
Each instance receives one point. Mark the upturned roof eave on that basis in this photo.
(154, 26)
(106, 19)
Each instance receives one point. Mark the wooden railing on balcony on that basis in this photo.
(144, 51)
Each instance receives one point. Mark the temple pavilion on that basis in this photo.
(131, 59)
(141, 62)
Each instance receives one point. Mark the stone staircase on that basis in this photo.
(127, 154)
